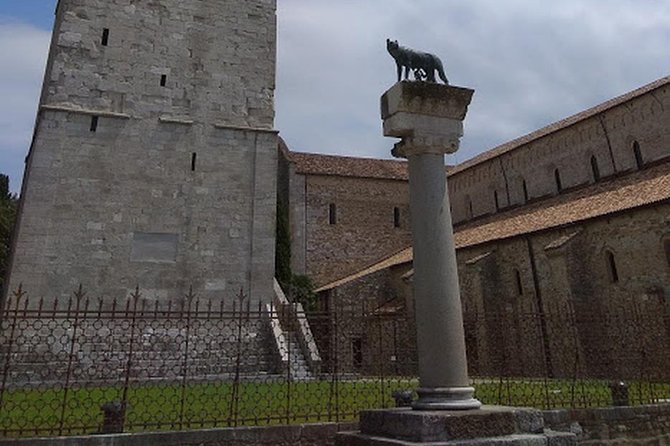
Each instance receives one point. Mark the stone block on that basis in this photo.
(432, 426)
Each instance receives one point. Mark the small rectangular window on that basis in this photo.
(332, 214)
(105, 37)
(396, 217)
(193, 159)
(163, 80)
(94, 123)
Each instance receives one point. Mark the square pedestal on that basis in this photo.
(488, 426)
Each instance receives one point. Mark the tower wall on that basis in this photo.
(153, 161)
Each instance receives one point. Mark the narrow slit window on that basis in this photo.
(470, 211)
(357, 352)
(193, 160)
(594, 169)
(396, 217)
(525, 191)
(611, 267)
(332, 213)
(495, 198)
(94, 124)
(639, 161)
(557, 178)
(163, 80)
(105, 37)
(519, 285)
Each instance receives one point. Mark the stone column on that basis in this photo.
(429, 119)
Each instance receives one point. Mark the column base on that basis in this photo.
(446, 398)
(488, 426)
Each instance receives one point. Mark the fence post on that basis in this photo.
(18, 295)
(126, 382)
(79, 294)
(381, 360)
(184, 369)
(235, 397)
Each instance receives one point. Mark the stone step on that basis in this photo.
(547, 439)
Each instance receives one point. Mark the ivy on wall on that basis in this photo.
(298, 288)
(8, 204)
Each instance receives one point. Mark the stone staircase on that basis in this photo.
(294, 346)
(298, 367)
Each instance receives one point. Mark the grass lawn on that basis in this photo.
(31, 412)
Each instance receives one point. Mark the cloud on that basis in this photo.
(531, 63)
(23, 50)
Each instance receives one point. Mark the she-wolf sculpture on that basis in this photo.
(423, 65)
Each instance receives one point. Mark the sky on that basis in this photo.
(530, 63)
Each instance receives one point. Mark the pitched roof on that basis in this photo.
(559, 125)
(348, 166)
(398, 258)
(648, 186)
(641, 188)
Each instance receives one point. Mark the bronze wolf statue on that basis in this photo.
(423, 65)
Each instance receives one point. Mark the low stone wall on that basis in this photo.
(630, 426)
(103, 350)
(320, 434)
(621, 426)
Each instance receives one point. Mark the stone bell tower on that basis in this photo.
(153, 160)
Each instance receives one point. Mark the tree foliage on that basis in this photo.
(8, 204)
(283, 246)
(298, 288)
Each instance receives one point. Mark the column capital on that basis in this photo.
(428, 117)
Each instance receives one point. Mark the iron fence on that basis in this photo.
(82, 366)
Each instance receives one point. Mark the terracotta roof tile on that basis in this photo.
(556, 126)
(634, 190)
(637, 189)
(398, 258)
(346, 166)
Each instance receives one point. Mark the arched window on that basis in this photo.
(525, 191)
(557, 178)
(396, 217)
(495, 198)
(638, 155)
(519, 285)
(666, 247)
(611, 267)
(332, 213)
(594, 169)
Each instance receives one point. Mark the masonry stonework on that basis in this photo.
(153, 161)
(607, 133)
(345, 218)
(594, 326)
